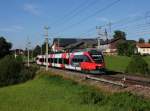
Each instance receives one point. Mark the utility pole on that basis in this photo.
(109, 24)
(99, 35)
(58, 46)
(106, 34)
(41, 50)
(28, 48)
(46, 40)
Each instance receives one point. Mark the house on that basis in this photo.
(143, 48)
(108, 47)
(60, 44)
(111, 46)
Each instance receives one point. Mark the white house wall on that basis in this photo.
(143, 50)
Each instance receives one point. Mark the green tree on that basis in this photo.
(121, 48)
(141, 40)
(126, 48)
(119, 34)
(37, 51)
(4, 47)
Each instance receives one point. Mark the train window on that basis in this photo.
(86, 59)
(97, 58)
(60, 61)
(81, 58)
(49, 60)
(55, 60)
(41, 60)
(76, 58)
(73, 60)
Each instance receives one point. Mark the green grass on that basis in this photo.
(55, 94)
(119, 63)
(147, 59)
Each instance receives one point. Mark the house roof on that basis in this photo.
(143, 45)
(63, 42)
(74, 45)
(69, 43)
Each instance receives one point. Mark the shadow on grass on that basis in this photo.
(110, 72)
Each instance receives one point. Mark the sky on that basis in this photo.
(24, 20)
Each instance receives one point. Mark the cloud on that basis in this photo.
(14, 28)
(30, 8)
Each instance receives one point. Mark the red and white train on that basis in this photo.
(91, 61)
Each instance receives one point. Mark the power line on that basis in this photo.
(80, 10)
(125, 21)
(70, 12)
(137, 28)
(93, 14)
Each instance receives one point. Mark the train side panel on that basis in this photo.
(79, 61)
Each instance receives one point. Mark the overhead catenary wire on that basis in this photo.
(63, 18)
(79, 11)
(122, 23)
(92, 15)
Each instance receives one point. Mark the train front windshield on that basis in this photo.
(96, 56)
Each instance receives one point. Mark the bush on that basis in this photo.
(10, 69)
(137, 65)
(27, 73)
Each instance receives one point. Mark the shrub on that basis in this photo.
(13, 71)
(27, 73)
(137, 65)
(10, 69)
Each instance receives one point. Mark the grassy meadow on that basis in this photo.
(53, 93)
(119, 63)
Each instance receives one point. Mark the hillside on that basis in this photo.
(55, 94)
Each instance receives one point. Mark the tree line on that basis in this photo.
(126, 47)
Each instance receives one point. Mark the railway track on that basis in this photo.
(123, 81)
